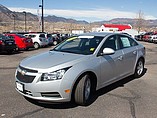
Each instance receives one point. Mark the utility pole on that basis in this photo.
(42, 17)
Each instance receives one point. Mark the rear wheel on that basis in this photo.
(83, 90)
(139, 68)
(36, 45)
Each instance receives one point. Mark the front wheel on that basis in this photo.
(83, 90)
(139, 68)
(27, 49)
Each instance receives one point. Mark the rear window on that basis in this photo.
(32, 36)
(42, 35)
(49, 35)
(3, 37)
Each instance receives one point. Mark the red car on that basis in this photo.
(21, 41)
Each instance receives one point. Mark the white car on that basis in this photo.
(153, 38)
(38, 39)
(79, 66)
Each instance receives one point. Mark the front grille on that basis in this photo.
(28, 70)
(24, 78)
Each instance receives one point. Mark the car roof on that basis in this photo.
(102, 34)
(36, 33)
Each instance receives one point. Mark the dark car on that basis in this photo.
(50, 39)
(7, 44)
(56, 38)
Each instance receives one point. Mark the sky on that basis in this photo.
(89, 10)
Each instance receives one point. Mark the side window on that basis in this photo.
(111, 42)
(127, 42)
(132, 42)
(31, 36)
(11, 37)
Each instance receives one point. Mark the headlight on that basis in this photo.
(56, 75)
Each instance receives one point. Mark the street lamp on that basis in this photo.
(25, 21)
(42, 17)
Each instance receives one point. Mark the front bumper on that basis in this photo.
(43, 43)
(51, 91)
(7, 48)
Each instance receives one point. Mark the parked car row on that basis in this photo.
(25, 41)
(148, 37)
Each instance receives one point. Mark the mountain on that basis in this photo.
(7, 15)
(148, 23)
(62, 19)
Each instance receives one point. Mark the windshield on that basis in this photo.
(85, 45)
(3, 37)
(21, 36)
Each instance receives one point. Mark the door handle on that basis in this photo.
(120, 58)
(134, 52)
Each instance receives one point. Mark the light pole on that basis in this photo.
(14, 20)
(25, 21)
(42, 17)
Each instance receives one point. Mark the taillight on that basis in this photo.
(1, 42)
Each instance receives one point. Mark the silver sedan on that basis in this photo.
(79, 66)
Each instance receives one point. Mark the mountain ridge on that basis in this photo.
(7, 15)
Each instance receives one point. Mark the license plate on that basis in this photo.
(28, 41)
(19, 86)
(10, 43)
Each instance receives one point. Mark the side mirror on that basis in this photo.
(108, 51)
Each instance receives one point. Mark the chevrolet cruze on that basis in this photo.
(79, 66)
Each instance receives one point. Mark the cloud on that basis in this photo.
(89, 15)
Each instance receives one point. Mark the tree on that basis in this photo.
(140, 23)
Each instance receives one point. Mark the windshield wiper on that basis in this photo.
(66, 51)
(53, 49)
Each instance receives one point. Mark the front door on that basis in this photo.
(111, 65)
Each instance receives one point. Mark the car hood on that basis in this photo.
(52, 59)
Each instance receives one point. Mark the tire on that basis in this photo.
(139, 70)
(83, 90)
(36, 45)
(27, 49)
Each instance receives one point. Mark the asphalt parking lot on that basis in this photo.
(129, 98)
